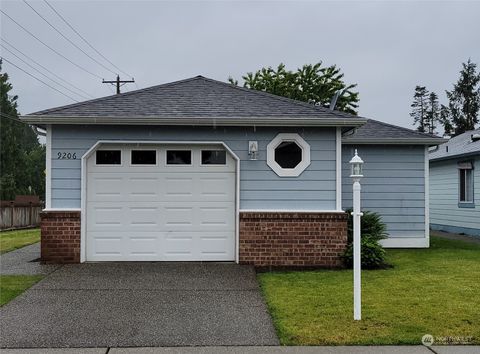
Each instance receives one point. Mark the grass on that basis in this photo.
(11, 240)
(429, 291)
(13, 285)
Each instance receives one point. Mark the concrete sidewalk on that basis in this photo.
(407, 349)
(25, 261)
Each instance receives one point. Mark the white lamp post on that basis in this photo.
(357, 165)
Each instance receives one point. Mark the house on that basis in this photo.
(201, 170)
(455, 185)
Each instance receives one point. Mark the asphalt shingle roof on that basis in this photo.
(204, 99)
(458, 146)
(375, 129)
(197, 97)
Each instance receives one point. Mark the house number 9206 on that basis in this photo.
(66, 156)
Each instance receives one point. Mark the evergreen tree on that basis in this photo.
(433, 112)
(311, 83)
(464, 99)
(445, 121)
(22, 158)
(419, 109)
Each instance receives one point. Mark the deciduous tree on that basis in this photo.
(311, 83)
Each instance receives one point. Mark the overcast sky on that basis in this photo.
(385, 47)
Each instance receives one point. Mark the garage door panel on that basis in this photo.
(178, 216)
(142, 186)
(106, 187)
(215, 187)
(105, 218)
(144, 216)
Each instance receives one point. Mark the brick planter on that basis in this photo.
(60, 237)
(289, 240)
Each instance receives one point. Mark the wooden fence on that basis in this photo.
(22, 212)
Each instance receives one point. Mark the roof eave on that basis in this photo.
(397, 141)
(467, 154)
(231, 121)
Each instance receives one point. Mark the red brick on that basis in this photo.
(272, 239)
(60, 237)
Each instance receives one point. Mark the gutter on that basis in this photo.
(396, 141)
(238, 121)
(467, 154)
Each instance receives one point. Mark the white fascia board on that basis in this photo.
(233, 121)
(393, 141)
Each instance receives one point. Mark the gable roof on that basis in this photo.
(384, 133)
(461, 145)
(197, 100)
(203, 101)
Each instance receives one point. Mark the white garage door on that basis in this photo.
(160, 203)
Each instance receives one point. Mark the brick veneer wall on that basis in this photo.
(60, 236)
(282, 239)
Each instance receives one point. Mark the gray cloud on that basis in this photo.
(385, 47)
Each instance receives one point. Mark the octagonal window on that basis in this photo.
(288, 154)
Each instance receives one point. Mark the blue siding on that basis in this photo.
(393, 186)
(260, 187)
(444, 211)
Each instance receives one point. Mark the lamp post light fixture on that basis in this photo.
(356, 174)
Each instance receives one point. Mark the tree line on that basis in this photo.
(459, 115)
(22, 157)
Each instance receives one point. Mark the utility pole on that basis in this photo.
(118, 83)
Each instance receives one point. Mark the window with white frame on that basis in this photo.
(288, 155)
(465, 173)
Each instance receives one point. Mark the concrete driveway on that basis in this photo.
(139, 304)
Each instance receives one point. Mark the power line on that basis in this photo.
(38, 71)
(66, 38)
(78, 34)
(46, 69)
(36, 78)
(49, 47)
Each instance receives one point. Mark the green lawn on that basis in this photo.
(429, 291)
(13, 285)
(11, 240)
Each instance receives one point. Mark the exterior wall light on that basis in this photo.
(253, 150)
(357, 166)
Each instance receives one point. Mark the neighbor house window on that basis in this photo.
(214, 157)
(179, 157)
(465, 173)
(108, 157)
(288, 155)
(144, 157)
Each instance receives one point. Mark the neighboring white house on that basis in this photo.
(455, 185)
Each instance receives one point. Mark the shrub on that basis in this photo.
(373, 229)
(372, 253)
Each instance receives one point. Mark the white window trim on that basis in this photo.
(288, 172)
